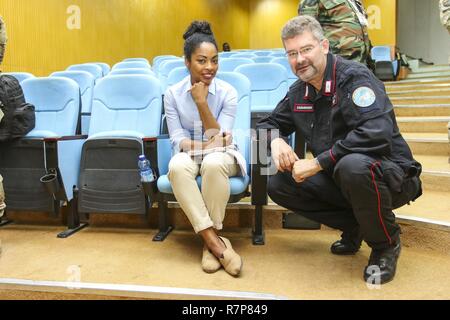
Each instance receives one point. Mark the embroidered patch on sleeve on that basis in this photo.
(363, 97)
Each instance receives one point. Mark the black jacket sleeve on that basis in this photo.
(371, 126)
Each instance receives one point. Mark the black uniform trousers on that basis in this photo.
(358, 198)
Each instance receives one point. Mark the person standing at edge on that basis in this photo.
(344, 23)
(362, 166)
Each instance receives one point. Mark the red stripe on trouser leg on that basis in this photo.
(379, 202)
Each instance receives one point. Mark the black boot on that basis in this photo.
(349, 244)
(382, 264)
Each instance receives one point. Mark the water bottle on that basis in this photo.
(145, 170)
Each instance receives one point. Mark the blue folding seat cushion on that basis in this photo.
(230, 64)
(241, 136)
(268, 84)
(57, 104)
(126, 106)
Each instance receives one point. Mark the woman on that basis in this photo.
(200, 112)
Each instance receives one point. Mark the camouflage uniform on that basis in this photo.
(444, 9)
(2, 197)
(3, 39)
(343, 27)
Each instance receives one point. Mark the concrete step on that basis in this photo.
(422, 110)
(433, 144)
(432, 74)
(434, 92)
(433, 68)
(411, 100)
(408, 82)
(436, 180)
(393, 89)
(423, 124)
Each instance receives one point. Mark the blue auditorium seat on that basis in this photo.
(136, 59)
(225, 54)
(238, 184)
(41, 169)
(125, 121)
(160, 59)
(263, 59)
(176, 75)
(146, 71)
(229, 64)
(262, 53)
(292, 77)
(268, 86)
(105, 67)
(278, 54)
(165, 68)
(20, 76)
(92, 68)
(131, 64)
(243, 55)
(385, 67)
(86, 82)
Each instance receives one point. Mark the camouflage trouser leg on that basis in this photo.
(2, 197)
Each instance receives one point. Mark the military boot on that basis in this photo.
(349, 243)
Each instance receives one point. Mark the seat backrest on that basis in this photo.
(131, 64)
(283, 61)
(136, 59)
(160, 59)
(127, 103)
(278, 54)
(132, 71)
(262, 59)
(20, 76)
(229, 64)
(262, 53)
(165, 68)
(268, 82)
(381, 53)
(85, 81)
(225, 54)
(92, 68)
(57, 103)
(241, 132)
(105, 67)
(176, 75)
(243, 55)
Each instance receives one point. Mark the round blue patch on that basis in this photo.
(363, 97)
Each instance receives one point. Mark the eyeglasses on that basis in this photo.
(293, 54)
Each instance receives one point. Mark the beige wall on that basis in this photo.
(111, 30)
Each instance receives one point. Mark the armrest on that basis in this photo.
(66, 138)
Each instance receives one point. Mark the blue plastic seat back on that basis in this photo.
(278, 54)
(136, 59)
(243, 55)
(262, 53)
(268, 84)
(105, 67)
(176, 75)
(241, 130)
(127, 103)
(381, 53)
(229, 64)
(165, 68)
(85, 81)
(283, 61)
(157, 61)
(146, 71)
(57, 103)
(131, 64)
(262, 59)
(225, 54)
(20, 76)
(92, 68)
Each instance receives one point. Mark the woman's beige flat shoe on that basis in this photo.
(210, 263)
(230, 260)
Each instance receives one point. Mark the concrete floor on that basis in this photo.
(293, 264)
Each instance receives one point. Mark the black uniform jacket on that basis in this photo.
(351, 114)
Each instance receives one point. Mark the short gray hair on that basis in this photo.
(300, 24)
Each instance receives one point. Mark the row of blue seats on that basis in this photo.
(53, 165)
